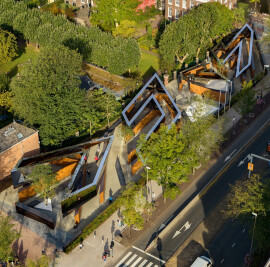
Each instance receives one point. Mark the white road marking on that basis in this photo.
(136, 262)
(222, 260)
(149, 254)
(123, 259)
(243, 230)
(233, 245)
(143, 263)
(131, 259)
(149, 264)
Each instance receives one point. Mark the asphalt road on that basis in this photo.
(230, 246)
(216, 193)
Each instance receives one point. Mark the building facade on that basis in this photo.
(16, 142)
(174, 9)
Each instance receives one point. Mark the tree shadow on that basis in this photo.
(18, 249)
(148, 73)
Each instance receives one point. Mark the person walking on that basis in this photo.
(81, 245)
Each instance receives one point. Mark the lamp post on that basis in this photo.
(229, 81)
(147, 168)
(264, 67)
(255, 215)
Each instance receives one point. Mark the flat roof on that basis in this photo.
(13, 134)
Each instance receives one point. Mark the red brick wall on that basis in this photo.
(146, 3)
(9, 158)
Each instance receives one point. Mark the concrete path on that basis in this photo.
(95, 245)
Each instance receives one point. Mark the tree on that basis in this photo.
(169, 158)
(5, 94)
(91, 113)
(8, 46)
(132, 204)
(194, 33)
(106, 104)
(246, 197)
(43, 261)
(126, 29)
(255, 1)
(108, 14)
(47, 94)
(247, 99)
(43, 179)
(240, 14)
(7, 237)
(201, 128)
(266, 36)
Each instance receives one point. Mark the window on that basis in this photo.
(177, 13)
(191, 4)
(177, 2)
(169, 12)
(184, 3)
(170, 2)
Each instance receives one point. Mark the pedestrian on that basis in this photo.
(110, 200)
(98, 148)
(85, 158)
(121, 223)
(96, 159)
(107, 253)
(104, 257)
(81, 245)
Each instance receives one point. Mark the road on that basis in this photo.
(213, 195)
(139, 258)
(229, 162)
(230, 246)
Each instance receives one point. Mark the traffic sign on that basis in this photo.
(250, 166)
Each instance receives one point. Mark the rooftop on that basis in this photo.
(12, 134)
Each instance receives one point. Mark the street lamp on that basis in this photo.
(147, 168)
(229, 81)
(255, 215)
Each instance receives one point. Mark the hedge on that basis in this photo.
(73, 201)
(101, 218)
(116, 54)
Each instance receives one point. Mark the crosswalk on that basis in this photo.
(136, 259)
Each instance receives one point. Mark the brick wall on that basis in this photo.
(9, 158)
(189, 4)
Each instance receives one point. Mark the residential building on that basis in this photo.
(174, 9)
(16, 142)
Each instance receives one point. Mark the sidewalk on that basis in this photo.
(95, 246)
(91, 253)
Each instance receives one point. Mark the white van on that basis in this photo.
(202, 261)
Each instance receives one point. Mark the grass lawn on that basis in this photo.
(148, 64)
(29, 52)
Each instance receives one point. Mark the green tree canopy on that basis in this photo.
(8, 46)
(117, 54)
(194, 33)
(247, 99)
(203, 134)
(246, 197)
(7, 237)
(168, 157)
(43, 179)
(47, 94)
(108, 14)
(132, 204)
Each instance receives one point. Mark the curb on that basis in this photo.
(202, 192)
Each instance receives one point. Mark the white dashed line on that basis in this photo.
(222, 260)
(243, 230)
(233, 245)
